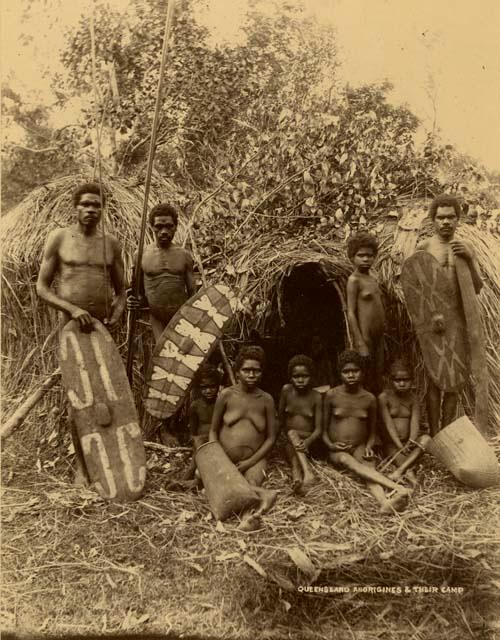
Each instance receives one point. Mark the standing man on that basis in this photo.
(89, 274)
(166, 280)
(445, 213)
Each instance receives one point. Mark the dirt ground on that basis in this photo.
(75, 565)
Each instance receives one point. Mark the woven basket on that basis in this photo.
(466, 454)
(227, 491)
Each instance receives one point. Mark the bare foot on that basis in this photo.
(267, 499)
(250, 522)
(396, 501)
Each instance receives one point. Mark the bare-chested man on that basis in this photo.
(445, 213)
(87, 269)
(365, 311)
(167, 271)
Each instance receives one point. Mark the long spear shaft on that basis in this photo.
(147, 184)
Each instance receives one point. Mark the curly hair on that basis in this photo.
(252, 352)
(359, 240)
(207, 372)
(88, 187)
(163, 209)
(399, 364)
(351, 357)
(300, 360)
(444, 200)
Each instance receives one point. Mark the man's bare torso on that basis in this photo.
(83, 274)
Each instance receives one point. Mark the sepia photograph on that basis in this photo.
(250, 297)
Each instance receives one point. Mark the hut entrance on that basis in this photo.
(314, 325)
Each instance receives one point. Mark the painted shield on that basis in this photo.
(187, 341)
(103, 410)
(438, 321)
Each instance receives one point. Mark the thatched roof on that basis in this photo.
(25, 227)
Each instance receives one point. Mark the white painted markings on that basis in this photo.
(205, 304)
(171, 350)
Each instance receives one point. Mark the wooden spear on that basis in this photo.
(18, 417)
(149, 170)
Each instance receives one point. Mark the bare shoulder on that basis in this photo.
(353, 278)
(285, 389)
(55, 238)
(423, 245)
(369, 398)
(267, 397)
(383, 397)
(333, 393)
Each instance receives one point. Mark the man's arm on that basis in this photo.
(465, 250)
(352, 309)
(48, 270)
(117, 274)
(189, 275)
(266, 446)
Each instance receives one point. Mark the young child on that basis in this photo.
(349, 431)
(365, 312)
(244, 422)
(400, 414)
(300, 415)
(207, 380)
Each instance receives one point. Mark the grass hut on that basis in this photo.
(293, 295)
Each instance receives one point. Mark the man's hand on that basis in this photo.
(84, 319)
(133, 302)
(459, 248)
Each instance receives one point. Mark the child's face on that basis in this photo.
(301, 377)
(208, 390)
(351, 374)
(250, 373)
(401, 381)
(363, 259)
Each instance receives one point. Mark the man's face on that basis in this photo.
(164, 229)
(363, 259)
(89, 210)
(445, 222)
(250, 373)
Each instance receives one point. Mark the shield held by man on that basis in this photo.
(187, 341)
(437, 317)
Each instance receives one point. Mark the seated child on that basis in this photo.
(365, 311)
(349, 431)
(244, 421)
(300, 414)
(207, 380)
(400, 414)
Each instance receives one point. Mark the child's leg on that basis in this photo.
(294, 463)
(409, 460)
(197, 442)
(296, 438)
(400, 498)
(362, 469)
(400, 460)
(433, 405)
(255, 476)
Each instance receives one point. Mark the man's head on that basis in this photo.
(362, 249)
(163, 220)
(249, 365)
(445, 211)
(88, 200)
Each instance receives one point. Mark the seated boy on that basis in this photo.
(350, 420)
(400, 412)
(365, 311)
(300, 414)
(207, 381)
(244, 421)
